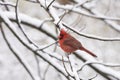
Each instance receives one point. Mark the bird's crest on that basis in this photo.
(62, 31)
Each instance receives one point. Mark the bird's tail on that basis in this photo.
(84, 49)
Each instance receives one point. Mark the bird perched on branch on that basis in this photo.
(69, 44)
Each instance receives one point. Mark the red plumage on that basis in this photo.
(69, 44)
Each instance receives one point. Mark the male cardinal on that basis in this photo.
(69, 44)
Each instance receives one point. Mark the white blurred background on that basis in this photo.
(107, 51)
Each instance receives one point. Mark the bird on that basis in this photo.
(69, 44)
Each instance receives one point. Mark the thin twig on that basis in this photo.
(50, 4)
(44, 75)
(46, 46)
(70, 62)
(57, 58)
(61, 18)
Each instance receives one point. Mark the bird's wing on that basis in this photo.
(71, 41)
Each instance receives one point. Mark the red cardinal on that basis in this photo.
(69, 44)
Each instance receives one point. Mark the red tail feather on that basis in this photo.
(89, 52)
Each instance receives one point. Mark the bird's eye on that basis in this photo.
(61, 36)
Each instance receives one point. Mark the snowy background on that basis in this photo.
(103, 21)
